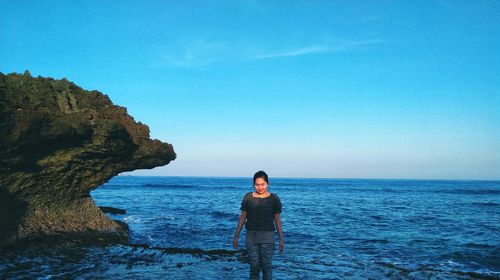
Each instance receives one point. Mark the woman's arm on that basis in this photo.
(277, 221)
(241, 222)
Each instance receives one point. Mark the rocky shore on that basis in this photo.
(59, 142)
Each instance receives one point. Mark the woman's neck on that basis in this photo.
(265, 194)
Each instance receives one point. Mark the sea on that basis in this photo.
(183, 227)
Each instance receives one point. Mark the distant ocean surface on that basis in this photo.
(333, 229)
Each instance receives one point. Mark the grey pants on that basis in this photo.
(260, 256)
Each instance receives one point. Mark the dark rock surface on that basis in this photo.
(112, 210)
(58, 142)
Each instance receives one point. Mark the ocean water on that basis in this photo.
(182, 227)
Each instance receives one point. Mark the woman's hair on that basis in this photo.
(260, 174)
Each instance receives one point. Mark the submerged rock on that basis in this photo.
(59, 142)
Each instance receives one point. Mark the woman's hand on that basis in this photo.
(241, 222)
(235, 242)
(277, 221)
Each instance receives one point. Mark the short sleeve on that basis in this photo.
(244, 204)
(277, 205)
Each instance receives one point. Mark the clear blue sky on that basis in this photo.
(363, 89)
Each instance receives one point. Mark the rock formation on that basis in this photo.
(58, 142)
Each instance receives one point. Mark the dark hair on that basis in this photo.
(260, 174)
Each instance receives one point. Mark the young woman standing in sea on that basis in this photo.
(260, 212)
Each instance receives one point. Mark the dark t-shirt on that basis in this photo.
(260, 211)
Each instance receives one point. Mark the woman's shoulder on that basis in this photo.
(248, 194)
(275, 196)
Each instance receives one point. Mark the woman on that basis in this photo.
(260, 211)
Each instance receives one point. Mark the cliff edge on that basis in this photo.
(58, 142)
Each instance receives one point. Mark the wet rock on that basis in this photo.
(112, 210)
(59, 142)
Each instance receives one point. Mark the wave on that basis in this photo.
(212, 254)
(224, 215)
(133, 219)
(375, 241)
(485, 203)
(480, 246)
(486, 257)
(445, 270)
(192, 251)
(468, 191)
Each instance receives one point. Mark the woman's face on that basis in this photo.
(260, 185)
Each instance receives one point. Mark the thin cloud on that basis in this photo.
(193, 54)
(294, 52)
(201, 53)
(339, 46)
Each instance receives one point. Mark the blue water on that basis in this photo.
(333, 228)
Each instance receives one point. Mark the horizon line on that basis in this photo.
(320, 178)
